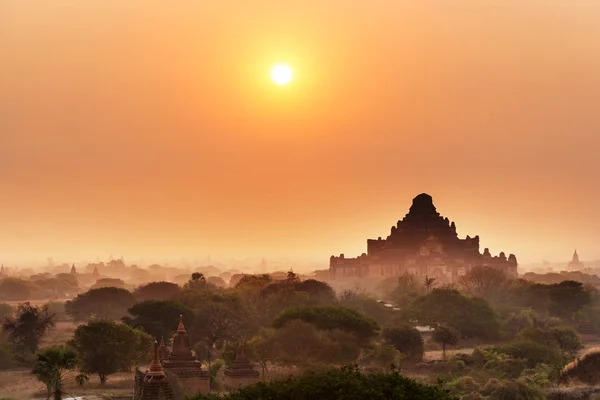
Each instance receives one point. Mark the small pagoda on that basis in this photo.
(153, 385)
(163, 350)
(241, 373)
(182, 363)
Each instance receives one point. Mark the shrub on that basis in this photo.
(339, 384)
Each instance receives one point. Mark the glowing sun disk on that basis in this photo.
(282, 74)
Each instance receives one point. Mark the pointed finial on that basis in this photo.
(181, 327)
(162, 342)
(155, 367)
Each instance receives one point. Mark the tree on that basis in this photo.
(532, 352)
(52, 368)
(473, 317)
(567, 298)
(216, 281)
(407, 340)
(485, 282)
(567, 339)
(222, 319)
(157, 291)
(319, 293)
(366, 305)
(445, 335)
(406, 291)
(382, 355)
(301, 344)
(26, 329)
(197, 282)
(7, 355)
(331, 317)
(108, 303)
(109, 282)
(106, 347)
(13, 289)
(429, 283)
(6, 310)
(159, 318)
(261, 350)
(347, 383)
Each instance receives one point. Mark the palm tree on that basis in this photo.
(429, 283)
(52, 368)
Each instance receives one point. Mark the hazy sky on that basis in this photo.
(151, 128)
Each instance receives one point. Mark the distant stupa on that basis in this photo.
(575, 264)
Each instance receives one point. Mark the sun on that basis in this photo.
(282, 74)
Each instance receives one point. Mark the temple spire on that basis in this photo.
(155, 367)
(181, 327)
(575, 257)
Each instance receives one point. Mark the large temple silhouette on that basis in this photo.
(423, 243)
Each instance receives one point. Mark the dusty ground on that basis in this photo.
(21, 385)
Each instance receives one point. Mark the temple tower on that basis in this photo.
(153, 385)
(575, 264)
(182, 363)
(73, 270)
(163, 351)
(241, 372)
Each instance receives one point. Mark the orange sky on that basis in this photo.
(150, 128)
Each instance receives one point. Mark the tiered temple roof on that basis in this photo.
(423, 243)
(575, 264)
(154, 385)
(241, 366)
(163, 350)
(181, 361)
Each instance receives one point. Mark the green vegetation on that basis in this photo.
(339, 384)
(26, 329)
(472, 316)
(159, 318)
(52, 368)
(520, 334)
(107, 303)
(407, 340)
(106, 347)
(331, 317)
(446, 335)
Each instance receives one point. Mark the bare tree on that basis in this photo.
(485, 282)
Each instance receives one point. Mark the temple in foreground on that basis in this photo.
(423, 243)
(241, 373)
(181, 362)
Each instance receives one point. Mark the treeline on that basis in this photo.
(523, 332)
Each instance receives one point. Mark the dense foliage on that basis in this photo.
(108, 303)
(331, 317)
(159, 318)
(471, 316)
(26, 329)
(105, 347)
(339, 384)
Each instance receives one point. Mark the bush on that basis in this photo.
(338, 384)
(407, 340)
(532, 352)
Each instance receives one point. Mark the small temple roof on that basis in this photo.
(241, 365)
(181, 327)
(155, 369)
